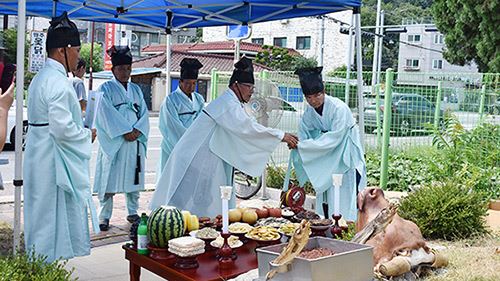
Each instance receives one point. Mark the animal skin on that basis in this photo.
(399, 237)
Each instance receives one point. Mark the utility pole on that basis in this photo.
(376, 47)
(322, 42)
(381, 45)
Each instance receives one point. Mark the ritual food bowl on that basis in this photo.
(264, 235)
(159, 253)
(233, 241)
(264, 243)
(186, 262)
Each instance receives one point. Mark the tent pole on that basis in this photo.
(54, 8)
(349, 60)
(168, 52)
(236, 50)
(169, 63)
(18, 181)
(359, 69)
(91, 55)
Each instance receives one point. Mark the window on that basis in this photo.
(259, 41)
(414, 38)
(154, 38)
(303, 43)
(279, 42)
(438, 38)
(412, 63)
(437, 64)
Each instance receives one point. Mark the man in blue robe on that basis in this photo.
(180, 109)
(223, 137)
(122, 130)
(57, 192)
(329, 144)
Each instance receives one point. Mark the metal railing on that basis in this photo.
(403, 120)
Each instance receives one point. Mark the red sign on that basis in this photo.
(109, 42)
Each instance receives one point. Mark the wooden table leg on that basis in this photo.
(134, 271)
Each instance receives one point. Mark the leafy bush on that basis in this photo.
(7, 239)
(276, 176)
(470, 156)
(97, 57)
(407, 169)
(446, 211)
(25, 267)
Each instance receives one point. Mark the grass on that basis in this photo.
(471, 260)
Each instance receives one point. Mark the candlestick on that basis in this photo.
(225, 192)
(337, 182)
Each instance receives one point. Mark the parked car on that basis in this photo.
(409, 112)
(11, 125)
(493, 107)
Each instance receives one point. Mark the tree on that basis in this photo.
(471, 32)
(395, 12)
(97, 57)
(279, 58)
(10, 54)
(275, 57)
(303, 62)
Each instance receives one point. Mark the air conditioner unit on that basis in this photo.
(285, 21)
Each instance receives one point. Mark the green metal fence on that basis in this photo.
(417, 105)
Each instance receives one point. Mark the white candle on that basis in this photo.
(225, 192)
(337, 182)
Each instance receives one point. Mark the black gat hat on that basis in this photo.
(62, 33)
(311, 80)
(190, 68)
(243, 72)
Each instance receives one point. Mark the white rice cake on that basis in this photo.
(186, 242)
(177, 249)
(188, 253)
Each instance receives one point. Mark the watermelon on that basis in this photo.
(164, 223)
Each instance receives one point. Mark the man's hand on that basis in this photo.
(94, 134)
(133, 135)
(291, 140)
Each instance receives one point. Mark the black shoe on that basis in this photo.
(133, 218)
(104, 225)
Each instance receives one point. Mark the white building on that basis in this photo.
(421, 60)
(301, 34)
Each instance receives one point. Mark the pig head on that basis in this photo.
(399, 236)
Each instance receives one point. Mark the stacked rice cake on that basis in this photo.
(186, 246)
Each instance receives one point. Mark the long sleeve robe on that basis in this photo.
(120, 111)
(330, 143)
(56, 169)
(222, 137)
(177, 113)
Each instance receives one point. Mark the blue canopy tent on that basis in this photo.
(166, 15)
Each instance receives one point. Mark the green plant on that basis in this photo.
(31, 267)
(446, 210)
(407, 169)
(471, 157)
(97, 57)
(7, 239)
(276, 176)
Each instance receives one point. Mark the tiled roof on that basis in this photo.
(221, 46)
(209, 61)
